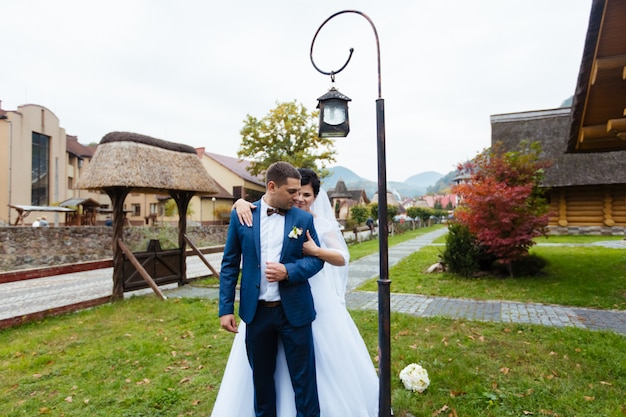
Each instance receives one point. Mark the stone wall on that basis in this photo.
(34, 247)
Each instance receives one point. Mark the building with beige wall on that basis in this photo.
(40, 165)
(33, 152)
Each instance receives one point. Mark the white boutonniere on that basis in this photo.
(295, 233)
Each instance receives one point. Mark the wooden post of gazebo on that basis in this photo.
(117, 196)
(182, 202)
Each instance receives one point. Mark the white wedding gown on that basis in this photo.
(346, 378)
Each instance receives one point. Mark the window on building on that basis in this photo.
(154, 209)
(40, 170)
(70, 183)
(136, 208)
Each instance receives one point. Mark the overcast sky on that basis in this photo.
(190, 71)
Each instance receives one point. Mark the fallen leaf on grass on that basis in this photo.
(69, 399)
(441, 410)
(185, 379)
(587, 398)
(455, 394)
(505, 370)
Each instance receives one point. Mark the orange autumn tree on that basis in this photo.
(502, 204)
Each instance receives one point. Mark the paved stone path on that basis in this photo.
(36, 295)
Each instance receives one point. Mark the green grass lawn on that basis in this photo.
(146, 357)
(580, 276)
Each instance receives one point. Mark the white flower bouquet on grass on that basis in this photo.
(415, 378)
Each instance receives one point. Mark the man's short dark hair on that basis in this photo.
(279, 172)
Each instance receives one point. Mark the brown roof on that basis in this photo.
(550, 128)
(145, 164)
(74, 147)
(237, 166)
(340, 191)
(222, 192)
(599, 104)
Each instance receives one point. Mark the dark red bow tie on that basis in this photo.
(271, 211)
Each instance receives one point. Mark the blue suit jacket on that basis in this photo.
(244, 241)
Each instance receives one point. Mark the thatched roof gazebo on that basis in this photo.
(129, 162)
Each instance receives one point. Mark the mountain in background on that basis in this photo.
(414, 186)
(424, 179)
(442, 186)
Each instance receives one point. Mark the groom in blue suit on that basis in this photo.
(275, 296)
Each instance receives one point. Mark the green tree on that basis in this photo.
(359, 213)
(392, 211)
(171, 208)
(419, 213)
(287, 133)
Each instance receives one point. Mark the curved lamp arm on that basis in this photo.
(332, 73)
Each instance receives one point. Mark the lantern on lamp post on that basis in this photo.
(334, 120)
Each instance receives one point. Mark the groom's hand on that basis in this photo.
(275, 271)
(229, 323)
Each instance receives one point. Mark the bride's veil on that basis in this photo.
(331, 238)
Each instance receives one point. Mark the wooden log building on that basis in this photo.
(586, 142)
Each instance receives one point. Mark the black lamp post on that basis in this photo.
(329, 127)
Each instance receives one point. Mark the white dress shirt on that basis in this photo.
(272, 235)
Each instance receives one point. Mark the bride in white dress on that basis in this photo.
(346, 377)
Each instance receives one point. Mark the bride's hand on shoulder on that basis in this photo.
(244, 211)
(309, 247)
(332, 256)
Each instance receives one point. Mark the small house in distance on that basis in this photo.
(342, 200)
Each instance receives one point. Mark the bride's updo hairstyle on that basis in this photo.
(310, 177)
